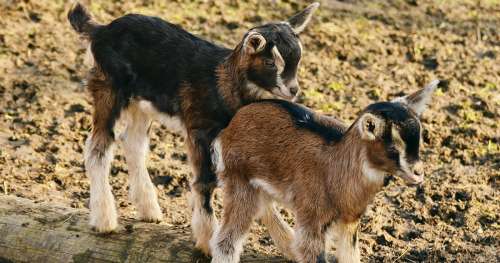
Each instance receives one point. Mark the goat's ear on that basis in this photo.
(370, 126)
(254, 43)
(299, 21)
(419, 100)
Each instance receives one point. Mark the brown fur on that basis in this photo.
(230, 78)
(303, 156)
(103, 99)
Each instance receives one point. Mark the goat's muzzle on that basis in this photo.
(287, 92)
(414, 175)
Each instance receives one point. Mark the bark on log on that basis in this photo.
(40, 232)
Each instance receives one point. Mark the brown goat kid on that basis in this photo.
(326, 172)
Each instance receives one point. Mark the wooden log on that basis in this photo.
(41, 232)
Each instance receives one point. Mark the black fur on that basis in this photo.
(321, 257)
(150, 58)
(305, 119)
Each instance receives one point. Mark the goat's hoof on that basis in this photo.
(152, 220)
(105, 226)
(152, 216)
(200, 256)
(203, 247)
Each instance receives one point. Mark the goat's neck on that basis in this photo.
(229, 82)
(349, 173)
(234, 86)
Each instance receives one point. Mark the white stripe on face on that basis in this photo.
(278, 60)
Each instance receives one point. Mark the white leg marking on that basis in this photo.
(228, 251)
(217, 159)
(136, 144)
(202, 224)
(346, 243)
(228, 240)
(103, 216)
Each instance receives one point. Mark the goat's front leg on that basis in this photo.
(135, 142)
(309, 243)
(346, 242)
(203, 220)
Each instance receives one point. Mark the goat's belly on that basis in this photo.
(173, 123)
(285, 198)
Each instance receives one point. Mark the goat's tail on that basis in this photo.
(81, 20)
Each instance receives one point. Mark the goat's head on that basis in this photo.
(272, 53)
(392, 134)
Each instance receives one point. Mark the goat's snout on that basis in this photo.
(418, 169)
(415, 174)
(294, 89)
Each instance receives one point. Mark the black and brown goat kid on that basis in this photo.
(148, 69)
(323, 170)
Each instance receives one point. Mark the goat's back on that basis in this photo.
(155, 54)
(277, 137)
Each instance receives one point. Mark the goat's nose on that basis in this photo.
(294, 89)
(418, 169)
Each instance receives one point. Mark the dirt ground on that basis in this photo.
(356, 52)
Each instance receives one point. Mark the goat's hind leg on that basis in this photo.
(279, 230)
(135, 143)
(203, 221)
(241, 204)
(98, 155)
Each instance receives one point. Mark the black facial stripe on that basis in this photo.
(290, 70)
(292, 60)
(391, 149)
(410, 133)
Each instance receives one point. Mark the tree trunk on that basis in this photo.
(40, 232)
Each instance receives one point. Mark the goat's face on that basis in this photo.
(273, 52)
(392, 131)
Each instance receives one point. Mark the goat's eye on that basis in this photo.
(269, 62)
